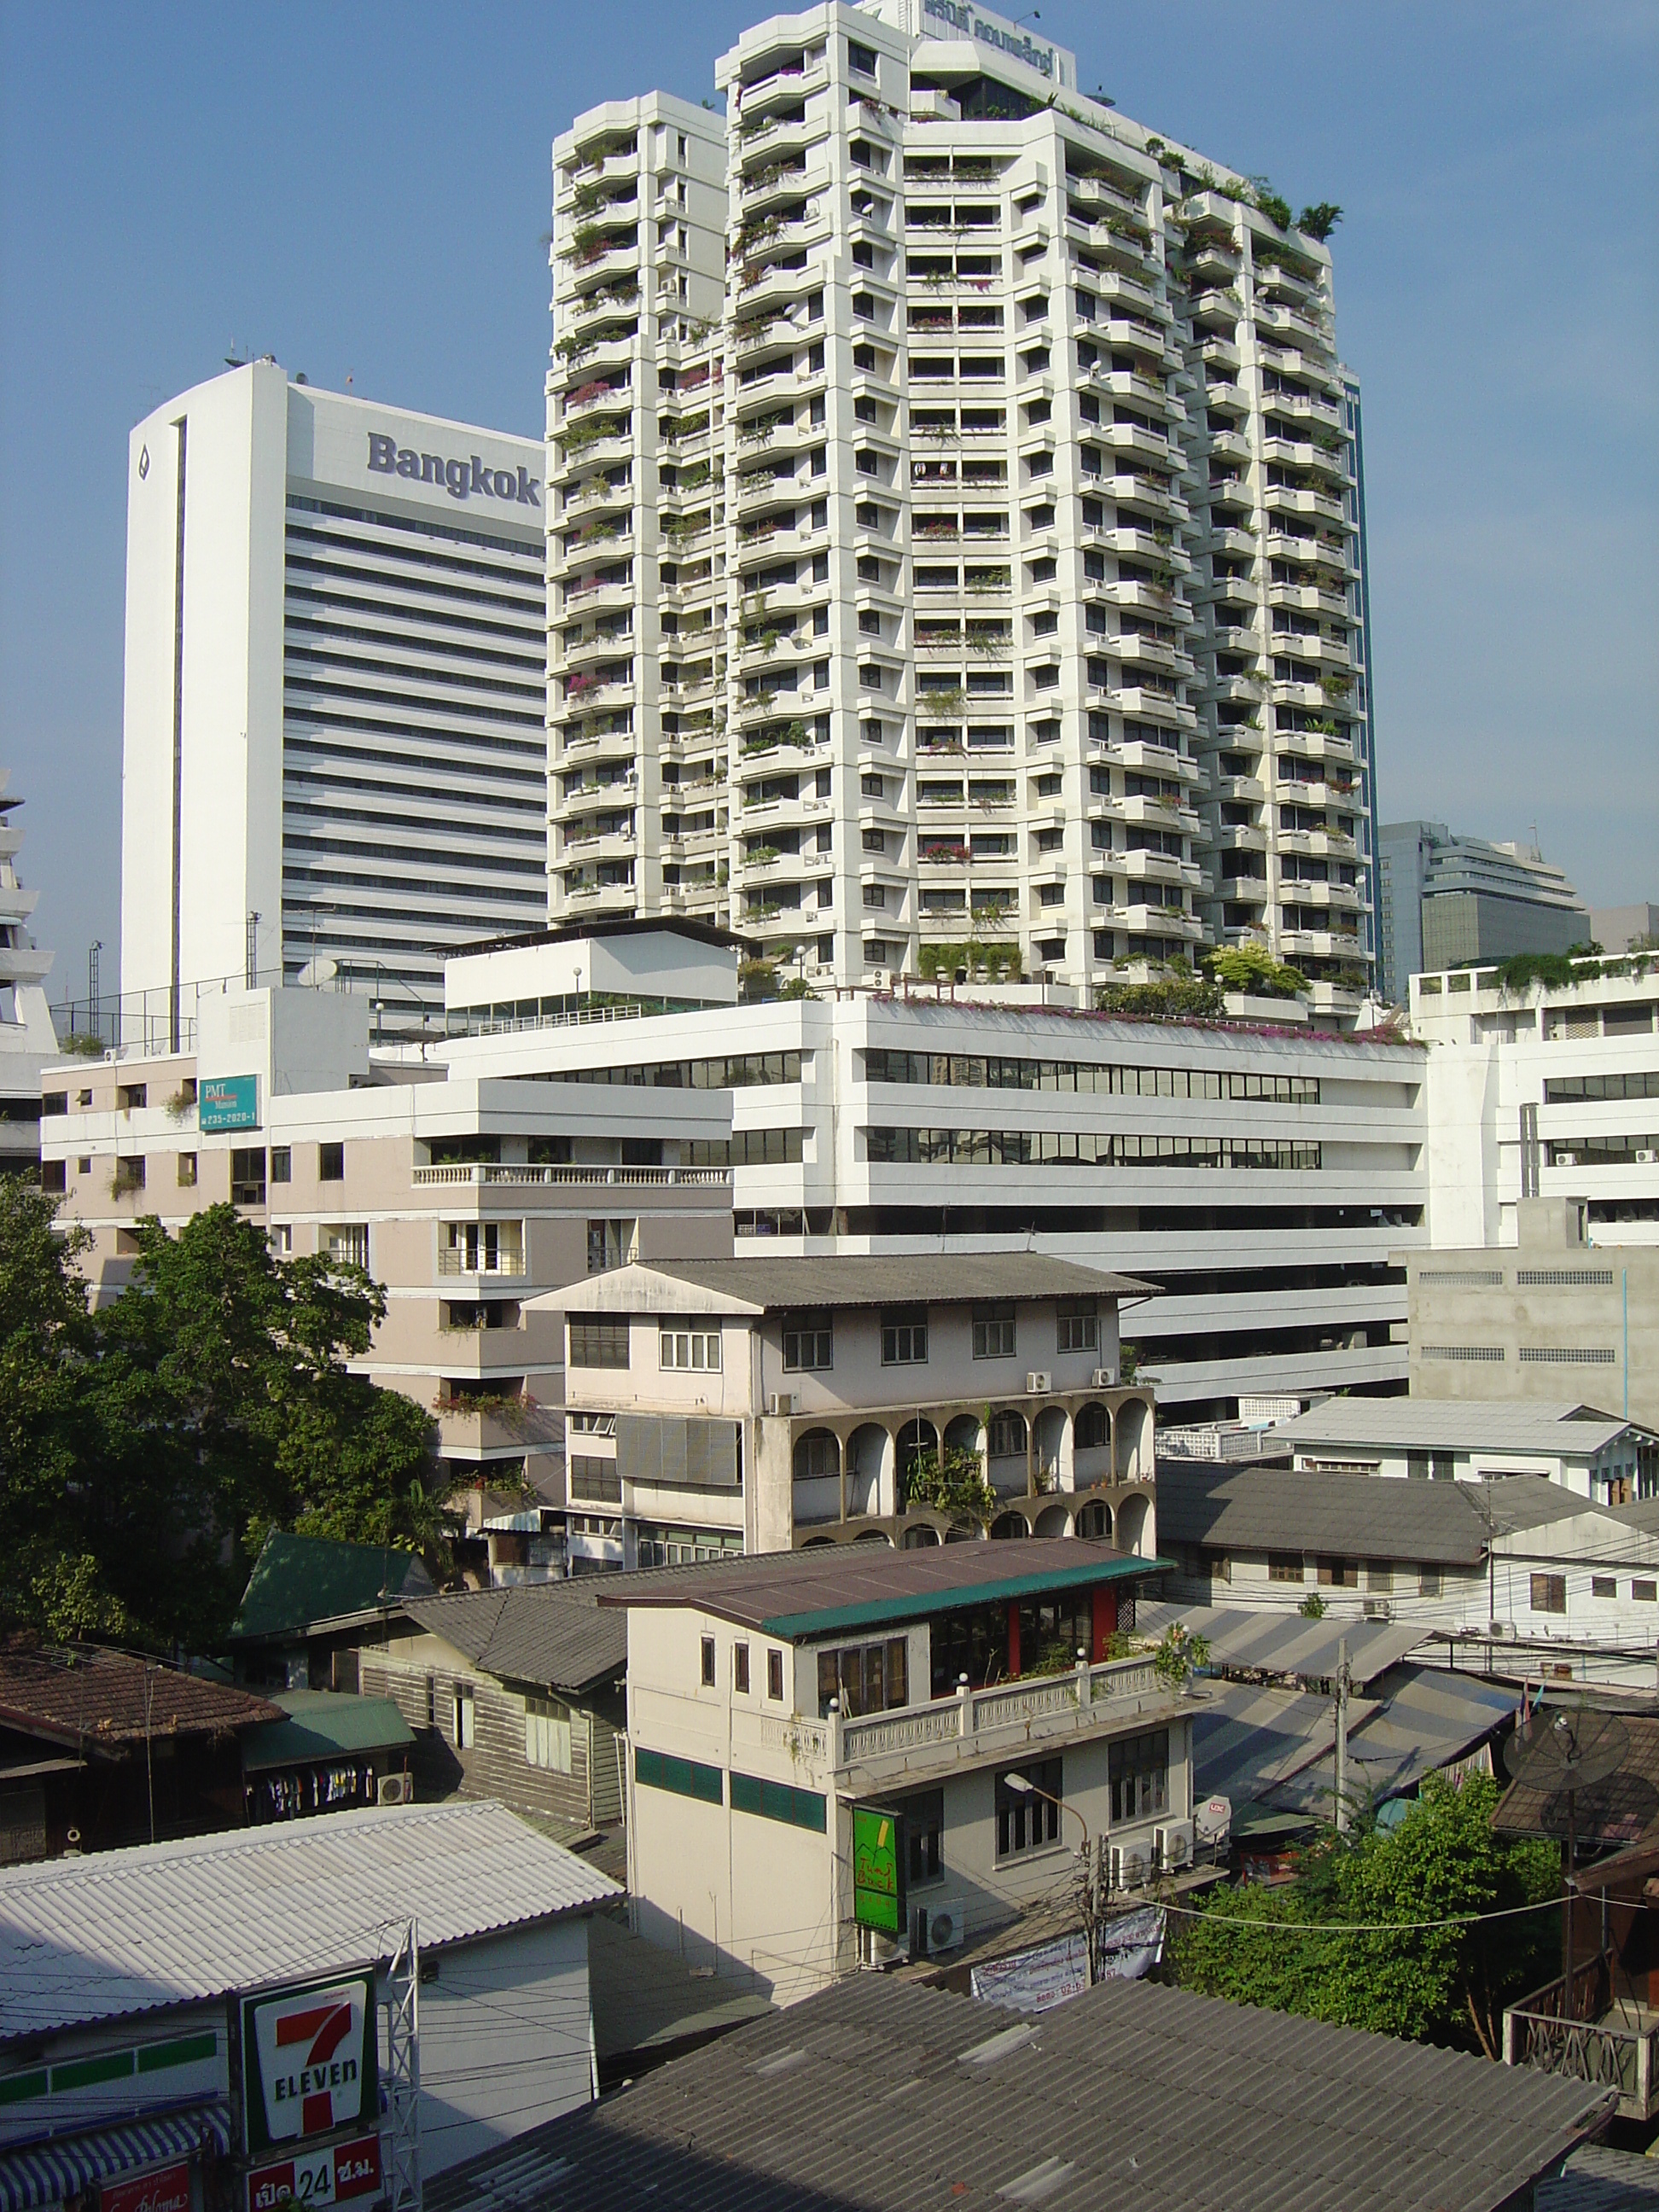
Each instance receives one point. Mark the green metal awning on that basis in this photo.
(324, 1724)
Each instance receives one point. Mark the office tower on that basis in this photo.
(334, 749)
(1448, 901)
(982, 550)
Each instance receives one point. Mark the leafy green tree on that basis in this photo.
(1252, 968)
(147, 1449)
(1353, 1939)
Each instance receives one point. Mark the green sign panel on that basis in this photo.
(877, 1871)
(228, 1102)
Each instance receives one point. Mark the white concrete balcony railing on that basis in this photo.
(973, 1724)
(518, 1175)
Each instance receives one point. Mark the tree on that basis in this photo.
(1396, 1973)
(1252, 968)
(146, 1450)
(1319, 220)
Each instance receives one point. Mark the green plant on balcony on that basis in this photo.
(762, 856)
(949, 1480)
(942, 702)
(179, 1104)
(125, 1181)
(1172, 997)
(1319, 220)
(982, 959)
(1336, 684)
(945, 853)
(1253, 970)
(1179, 1656)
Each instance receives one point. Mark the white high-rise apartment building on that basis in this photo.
(334, 749)
(28, 1038)
(955, 548)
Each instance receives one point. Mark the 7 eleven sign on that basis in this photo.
(309, 2060)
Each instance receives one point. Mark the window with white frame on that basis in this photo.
(347, 1242)
(546, 1733)
(698, 1349)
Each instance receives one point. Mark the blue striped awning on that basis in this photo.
(46, 2173)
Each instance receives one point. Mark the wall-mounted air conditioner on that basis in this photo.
(1103, 1378)
(941, 1926)
(395, 1789)
(1126, 1868)
(782, 1405)
(1647, 1158)
(1172, 1847)
(1378, 1608)
(1039, 1382)
(1500, 1628)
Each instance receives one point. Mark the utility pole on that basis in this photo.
(1342, 1736)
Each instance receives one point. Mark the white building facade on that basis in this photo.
(334, 757)
(27, 1039)
(956, 551)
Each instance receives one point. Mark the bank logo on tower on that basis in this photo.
(309, 2060)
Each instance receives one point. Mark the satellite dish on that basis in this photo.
(1567, 1749)
(320, 970)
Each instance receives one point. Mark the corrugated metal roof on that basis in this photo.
(1284, 1643)
(1361, 1516)
(1455, 1425)
(761, 1285)
(881, 2096)
(1622, 1810)
(1276, 1748)
(1598, 2179)
(300, 1581)
(796, 1594)
(551, 1633)
(122, 1932)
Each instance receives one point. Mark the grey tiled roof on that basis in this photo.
(1362, 1516)
(876, 2096)
(1597, 2179)
(1455, 1425)
(918, 1279)
(551, 1633)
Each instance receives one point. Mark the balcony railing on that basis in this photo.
(1047, 1706)
(483, 1174)
(1610, 2052)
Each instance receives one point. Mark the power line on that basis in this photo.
(1367, 1927)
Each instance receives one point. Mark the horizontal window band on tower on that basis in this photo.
(1461, 1278)
(779, 1801)
(1472, 1354)
(1085, 1148)
(526, 549)
(682, 1778)
(317, 723)
(312, 754)
(1563, 1278)
(972, 1071)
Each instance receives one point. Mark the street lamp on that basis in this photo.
(1023, 1788)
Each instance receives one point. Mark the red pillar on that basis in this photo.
(1105, 1622)
(1013, 1637)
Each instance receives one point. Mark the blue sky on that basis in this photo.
(362, 191)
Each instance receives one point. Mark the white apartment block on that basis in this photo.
(334, 755)
(955, 547)
(1265, 1180)
(27, 1039)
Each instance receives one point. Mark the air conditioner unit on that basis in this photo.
(1564, 1160)
(1128, 1866)
(939, 1927)
(1039, 1382)
(1172, 1847)
(1378, 1608)
(887, 1950)
(395, 1789)
(781, 1405)
(1647, 1158)
(1500, 1628)
(1103, 1378)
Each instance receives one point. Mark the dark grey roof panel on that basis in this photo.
(869, 2098)
(556, 1634)
(1364, 1517)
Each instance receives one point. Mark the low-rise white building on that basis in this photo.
(1510, 1576)
(761, 1404)
(117, 1970)
(845, 1754)
(1595, 1455)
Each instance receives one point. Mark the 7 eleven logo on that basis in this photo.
(310, 2051)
